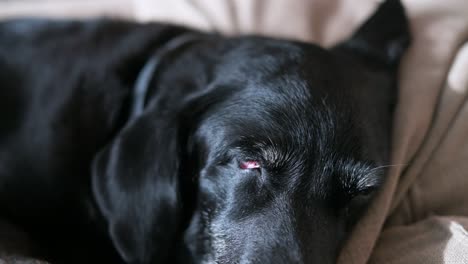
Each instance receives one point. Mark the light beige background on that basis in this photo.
(421, 216)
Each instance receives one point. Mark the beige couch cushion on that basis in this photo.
(421, 215)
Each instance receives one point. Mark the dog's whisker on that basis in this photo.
(387, 166)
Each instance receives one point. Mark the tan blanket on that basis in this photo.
(422, 214)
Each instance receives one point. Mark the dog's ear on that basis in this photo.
(136, 185)
(372, 55)
(383, 38)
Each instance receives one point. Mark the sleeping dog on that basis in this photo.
(150, 143)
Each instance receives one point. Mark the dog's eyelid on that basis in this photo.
(250, 165)
(366, 190)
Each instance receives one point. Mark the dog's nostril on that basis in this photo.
(250, 164)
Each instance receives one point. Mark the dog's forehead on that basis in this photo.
(291, 106)
(264, 60)
(301, 135)
(281, 120)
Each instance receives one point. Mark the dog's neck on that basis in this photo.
(148, 71)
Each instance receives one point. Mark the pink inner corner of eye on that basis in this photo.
(251, 164)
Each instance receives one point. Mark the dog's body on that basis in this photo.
(248, 149)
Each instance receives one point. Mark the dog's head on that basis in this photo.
(272, 162)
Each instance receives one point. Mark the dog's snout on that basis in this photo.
(273, 235)
(280, 233)
(250, 245)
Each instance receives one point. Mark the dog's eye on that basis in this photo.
(364, 194)
(358, 203)
(249, 165)
(367, 191)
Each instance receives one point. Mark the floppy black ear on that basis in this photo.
(372, 55)
(384, 37)
(136, 187)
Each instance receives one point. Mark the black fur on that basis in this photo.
(92, 185)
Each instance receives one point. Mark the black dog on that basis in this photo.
(157, 144)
